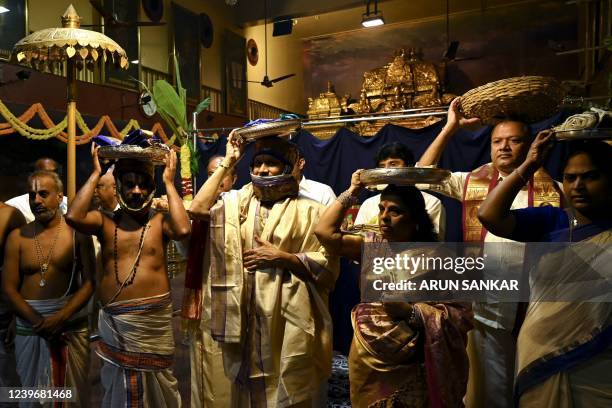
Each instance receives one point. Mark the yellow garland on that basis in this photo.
(186, 167)
(15, 124)
(131, 125)
(21, 127)
(185, 162)
(31, 133)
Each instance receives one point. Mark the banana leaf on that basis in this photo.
(204, 104)
(194, 162)
(165, 117)
(182, 92)
(172, 107)
(169, 102)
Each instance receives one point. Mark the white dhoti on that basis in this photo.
(62, 362)
(137, 347)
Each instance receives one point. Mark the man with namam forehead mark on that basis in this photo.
(48, 279)
(135, 322)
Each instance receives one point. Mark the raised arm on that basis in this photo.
(53, 325)
(206, 197)
(455, 120)
(78, 216)
(11, 280)
(494, 212)
(328, 229)
(176, 224)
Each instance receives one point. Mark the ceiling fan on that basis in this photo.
(267, 82)
(111, 18)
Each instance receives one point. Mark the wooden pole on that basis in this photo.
(71, 113)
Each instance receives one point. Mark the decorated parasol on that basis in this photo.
(79, 49)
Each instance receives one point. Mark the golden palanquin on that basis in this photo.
(404, 83)
(407, 82)
(327, 104)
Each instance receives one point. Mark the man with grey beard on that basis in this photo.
(22, 202)
(47, 280)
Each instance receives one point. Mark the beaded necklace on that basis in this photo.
(44, 262)
(130, 278)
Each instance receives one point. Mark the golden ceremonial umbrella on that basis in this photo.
(77, 47)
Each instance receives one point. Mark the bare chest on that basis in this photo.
(47, 252)
(122, 244)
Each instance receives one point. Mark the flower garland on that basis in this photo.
(20, 125)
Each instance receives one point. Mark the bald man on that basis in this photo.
(47, 279)
(105, 193)
(22, 202)
(228, 181)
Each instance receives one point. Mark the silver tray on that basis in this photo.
(279, 128)
(583, 134)
(155, 154)
(404, 176)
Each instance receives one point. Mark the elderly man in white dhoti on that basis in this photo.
(135, 322)
(47, 279)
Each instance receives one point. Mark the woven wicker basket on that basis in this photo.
(528, 98)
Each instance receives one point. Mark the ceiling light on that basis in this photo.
(4, 10)
(374, 19)
(134, 62)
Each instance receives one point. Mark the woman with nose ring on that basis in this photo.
(400, 350)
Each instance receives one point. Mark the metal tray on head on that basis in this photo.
(275, 128)
(155, 154)
(583, 134)
(404, 176)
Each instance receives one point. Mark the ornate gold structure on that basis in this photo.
(404, 83)
(327, 104)
(407, 82)
(78, 48)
